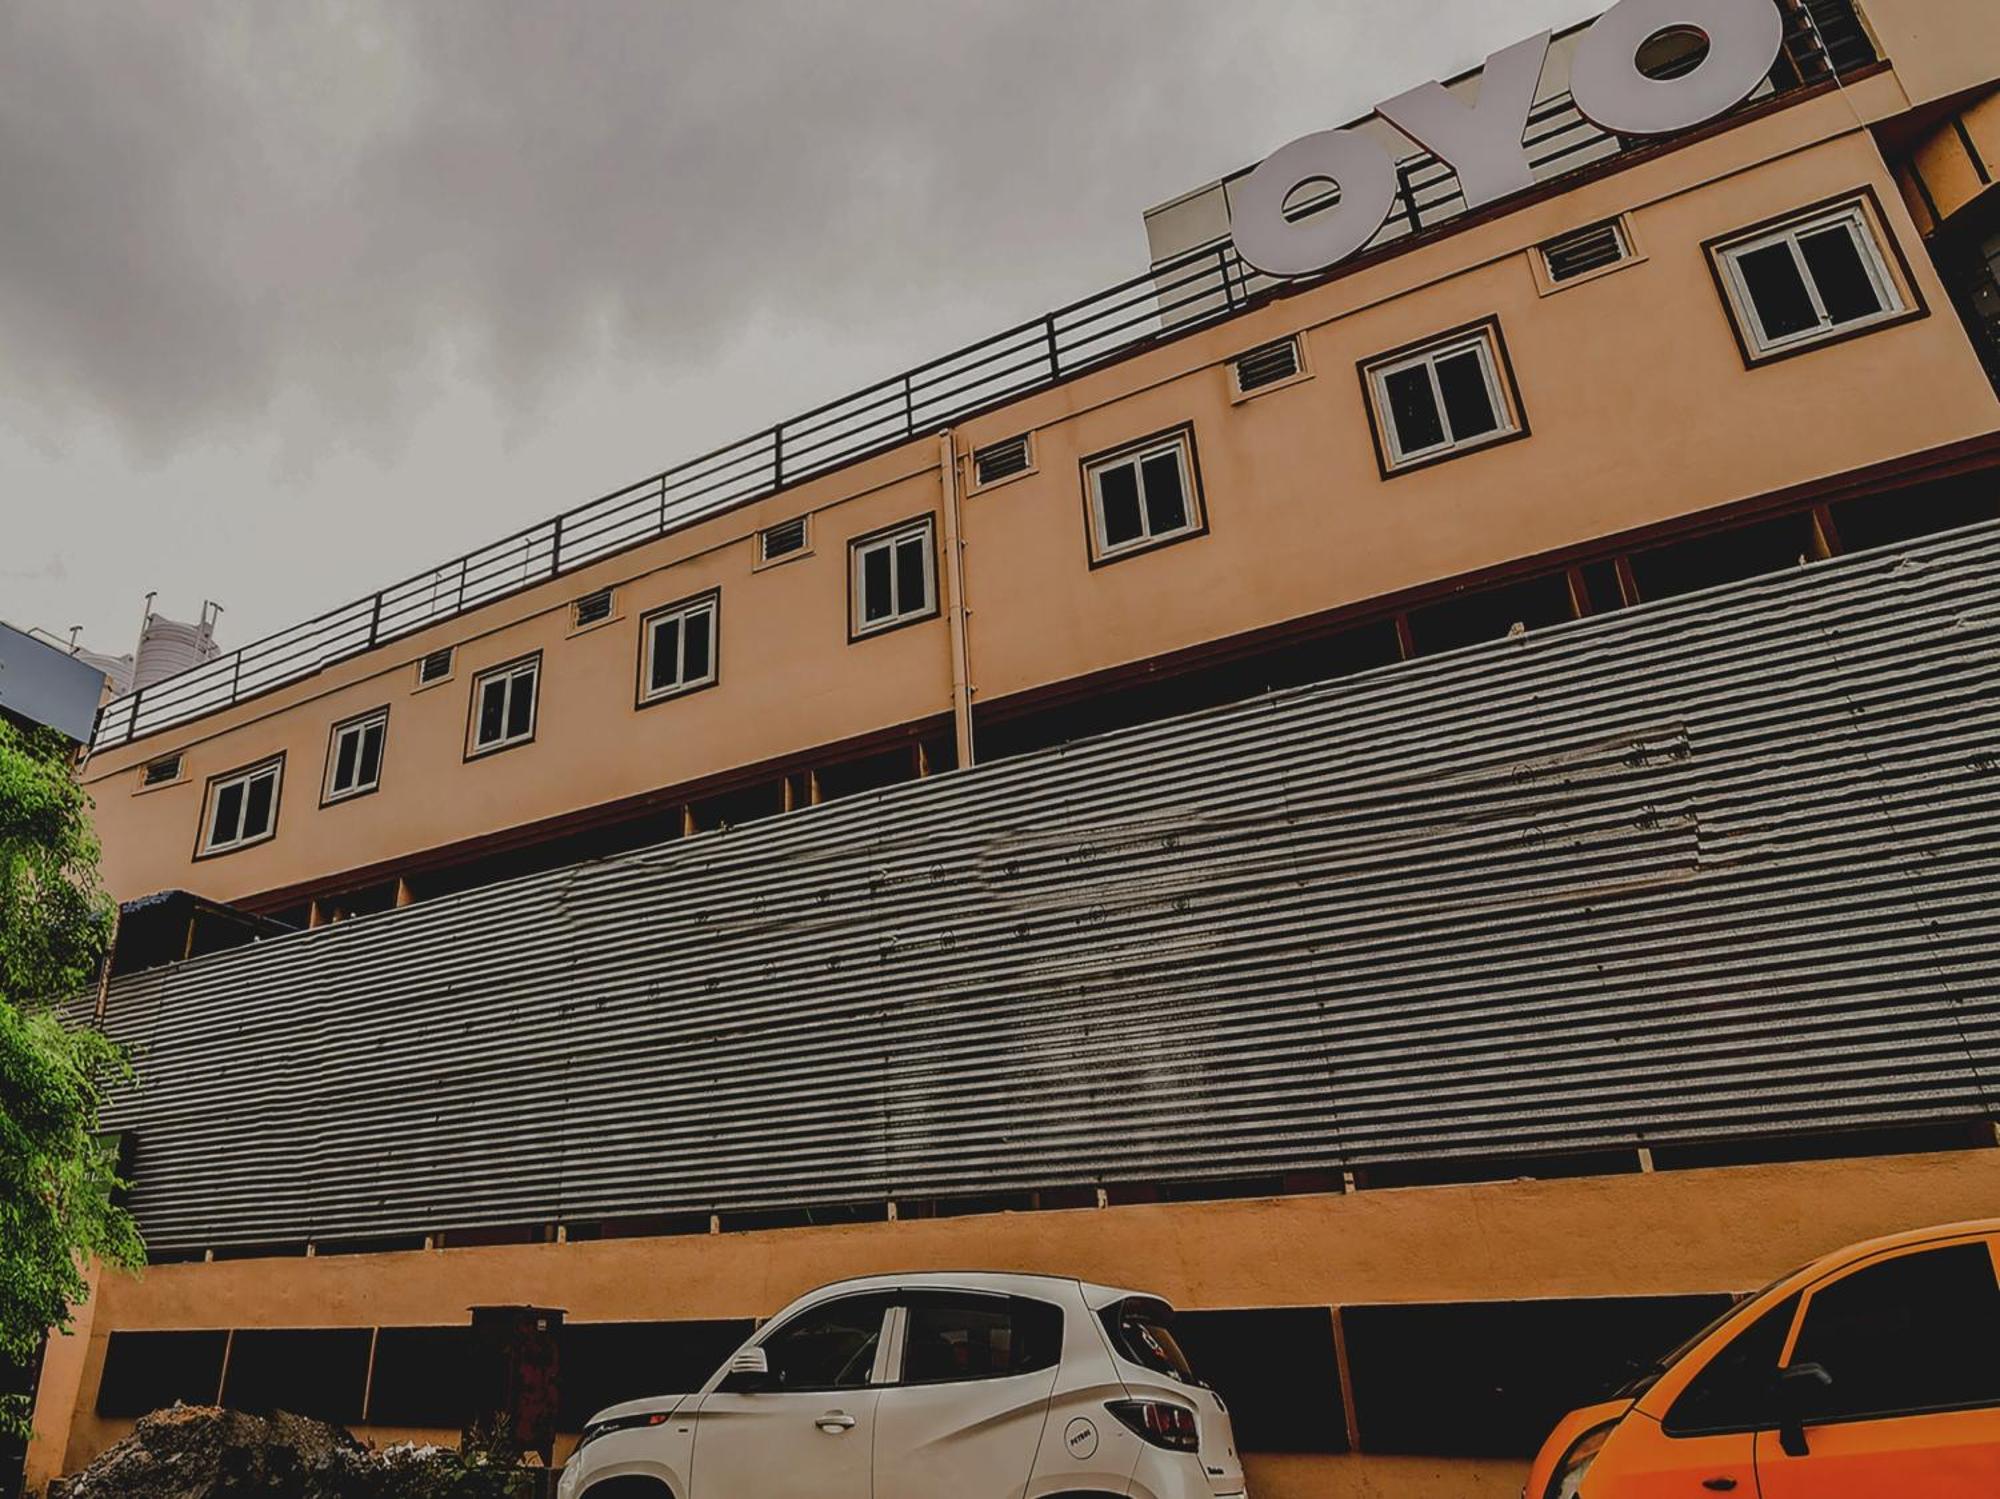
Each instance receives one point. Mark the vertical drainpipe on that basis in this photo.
(954, 573)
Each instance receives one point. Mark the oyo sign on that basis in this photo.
(1482, 141)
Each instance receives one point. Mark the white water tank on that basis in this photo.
(168, 647)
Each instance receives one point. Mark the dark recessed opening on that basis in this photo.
(1673, 52)
(604, 1363)
(1491, 614)
(423, 1377)
(318, 1372)
(1766, 546)
(1506, 1370)
(147, 1371)
(1275, 1369)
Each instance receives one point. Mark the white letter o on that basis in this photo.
(1274, 244)
(1744, 38)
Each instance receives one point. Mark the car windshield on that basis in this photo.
(1650, 1373)
(1140, 1332)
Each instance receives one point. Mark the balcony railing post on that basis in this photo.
(236, 676)
(555, 548)
(1055, 358)
(909, 407)
(375, 623)
(777, 457)
(132, 718)
(1228, 283)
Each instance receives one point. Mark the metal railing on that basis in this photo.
(1201, 285)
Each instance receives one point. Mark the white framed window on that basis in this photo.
(1142, 496)
(354, 756)
(241, 808)
(1819, 276)
(892, 578)
(1441, 398)
(504, 702)
(677, 648)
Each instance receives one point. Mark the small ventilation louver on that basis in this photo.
(1267, 366)
(1001, 460)
(593, 608)
(782, 539)
(435, 667)
(1585, 250)
(160, 772)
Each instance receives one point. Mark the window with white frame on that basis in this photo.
(241, 808)
(893, 577)
(354, 756)
(677, 646)
(1440, 399)
(1142, 496)
(1818, 277)
(503, 705)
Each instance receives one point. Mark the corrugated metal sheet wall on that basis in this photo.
(1721, 867)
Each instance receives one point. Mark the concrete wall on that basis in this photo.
(1729, 1229)
(1641, 412)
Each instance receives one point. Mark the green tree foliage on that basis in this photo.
(57, 1176)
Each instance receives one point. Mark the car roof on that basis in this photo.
(1863, 1248)
(1003, 1282)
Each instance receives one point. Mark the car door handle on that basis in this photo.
(834, 1422)
(1720, 1485)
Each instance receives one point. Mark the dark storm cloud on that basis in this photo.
(213, 207)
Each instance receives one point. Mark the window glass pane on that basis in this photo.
(1413, 410)
(1118, 496)
(371, 755)
(228, 813)
(492, 709)
(876, 599)
(1838, 271)
(1918, 1332)
(521, 705)
(257, 798)
(1468, 403)
(828, 1348)
(699, 626)
(666, 653)
(978, 1337)
(347, 749)
(912, 575)
(1166, 501)
(1733, 1391)
(1778, 291)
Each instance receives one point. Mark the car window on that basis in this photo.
(827, 1347)
(1734, 1390)
(1914, 1333)
(1140, 1332)
(960, 1335)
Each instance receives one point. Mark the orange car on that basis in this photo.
(1873, 1373)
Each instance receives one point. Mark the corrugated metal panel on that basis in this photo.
(1716, 868)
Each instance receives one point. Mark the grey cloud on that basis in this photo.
(212, 205)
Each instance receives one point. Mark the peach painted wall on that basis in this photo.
(1641, 412)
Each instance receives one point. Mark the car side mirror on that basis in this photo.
(748, 1373)
(1801, 1391)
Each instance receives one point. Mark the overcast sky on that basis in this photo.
(297, 299)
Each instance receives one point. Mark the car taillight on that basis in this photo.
(1160, 1422)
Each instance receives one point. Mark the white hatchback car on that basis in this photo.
(930, 1386)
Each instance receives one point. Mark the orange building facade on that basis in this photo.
(1587, 399)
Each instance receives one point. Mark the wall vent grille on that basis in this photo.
(1585, 250)
(1002, 460)
(1268, 365)
(782, 540)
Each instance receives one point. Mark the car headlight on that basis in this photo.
(1568, 1476)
